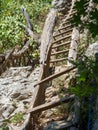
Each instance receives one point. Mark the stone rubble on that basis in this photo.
(16, 91)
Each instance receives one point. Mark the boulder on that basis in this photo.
(92, 50)
(61, 5)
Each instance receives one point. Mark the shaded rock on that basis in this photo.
(15, 95)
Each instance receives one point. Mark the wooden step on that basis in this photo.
(58, 60)
(58, 40)
(65, 27)
(69, 30)
(62, 44)
(71, 14)
(59, 52)
(58, 125)
(66, 22)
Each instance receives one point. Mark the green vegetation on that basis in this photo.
(86, 81)
(11, 29)
(86, 19)
(4, 128)
(17, 118)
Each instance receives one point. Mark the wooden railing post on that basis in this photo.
(74, 46)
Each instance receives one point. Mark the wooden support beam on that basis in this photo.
(62, 44)
(22, 51)
(59, 52)
(56, 75)
(50, 105)
(74, 45)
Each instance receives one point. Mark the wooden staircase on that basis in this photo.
(56, 55)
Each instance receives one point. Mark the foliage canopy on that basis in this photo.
(87, 17)
(11, 29)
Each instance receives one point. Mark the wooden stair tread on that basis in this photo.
(60, 39)
(59, 52)
(62, 44)
(61, 33)
(65, 27)
(58, 60)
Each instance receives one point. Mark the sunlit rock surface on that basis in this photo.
(92, 49)
(61, 5)
(16, 92)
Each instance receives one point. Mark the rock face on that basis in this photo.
(16, 92)
(92, 49)
(61, 5)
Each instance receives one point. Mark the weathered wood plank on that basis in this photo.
(47, 34)
(64, 32)
(22, 51)
(50, 105)
(62, 44)
(59, 52)
(68, 36)
(65, 27)
(58, 60)
(56, 75)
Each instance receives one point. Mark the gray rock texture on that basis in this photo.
(16, 92)
(61, 5)
(92, 49)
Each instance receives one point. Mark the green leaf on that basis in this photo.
(5, 128)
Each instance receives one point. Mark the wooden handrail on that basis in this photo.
(52, 104)
(56, 75)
